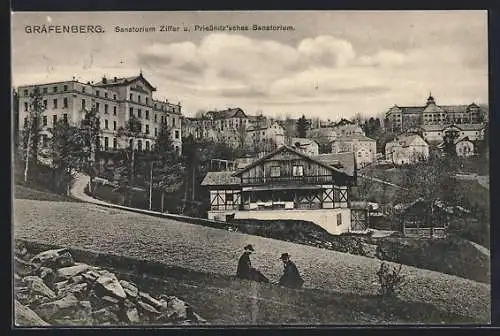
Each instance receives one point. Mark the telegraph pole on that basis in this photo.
(151, 185)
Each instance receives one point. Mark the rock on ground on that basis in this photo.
(53, 258)
(27, 317)
(37, 286)
(52, 289)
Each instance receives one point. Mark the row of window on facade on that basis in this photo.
(55, 89)
(44, 142)
(106, 124)
(54, 104)
(146, 116)
(297, 170)
(45, 90)
(44, 120)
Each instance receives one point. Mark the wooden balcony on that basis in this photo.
(261, 180)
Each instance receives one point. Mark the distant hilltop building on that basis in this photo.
(407, 149)
(226, 126)
(363, 147)
(116, 100)
(235, 128)
(399, 119)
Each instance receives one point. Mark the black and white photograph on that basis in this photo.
(250, 168)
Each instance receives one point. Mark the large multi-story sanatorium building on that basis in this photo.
(402, 118)
(116, 100)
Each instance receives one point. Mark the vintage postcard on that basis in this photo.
(250, 168)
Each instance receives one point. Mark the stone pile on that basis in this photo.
(52, 289)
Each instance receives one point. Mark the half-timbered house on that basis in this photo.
(285, 184)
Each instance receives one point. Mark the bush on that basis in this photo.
(348, 244)
(390, 280)
(452, 255)
(476, 230)
(302, 232)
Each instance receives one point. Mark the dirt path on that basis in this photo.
(374, 179)
(481, 248)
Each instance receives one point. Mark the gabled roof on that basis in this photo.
(125, 81)
(225, 114)
(469, 127)
(435, 108)
(358, 137)
(303, 141)
(455, 108)
(432, 108)
(407, 140)
(241, 163)
(293, 150)
(412, 109)
(431, 128)
(463, 127)
(265, 124)
(456, 141)
(344, 161)
(465, 138)
(222, 178)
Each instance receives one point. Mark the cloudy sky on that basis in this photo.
(334, 64)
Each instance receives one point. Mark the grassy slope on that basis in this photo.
(244, 302)
(216, 251)
(226, 300)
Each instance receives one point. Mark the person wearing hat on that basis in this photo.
(291, 276)
(245, 269)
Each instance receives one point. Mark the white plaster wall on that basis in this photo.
(326, 218)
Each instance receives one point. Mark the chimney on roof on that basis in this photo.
(115, 79)
(104, 80)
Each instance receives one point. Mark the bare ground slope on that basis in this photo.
(211, 250)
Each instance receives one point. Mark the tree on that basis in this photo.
(449, 149)
(357, 119)
(199, 114)
(167, 168)
(15, 117)
(131, 132)
(430, 179)
(290, 127)
(383, 139)
(68, 150)
(343, 122)
(241, 130)
(372, 128)
(258, 140)
(270, 145)
(302, 127)
(90, 127)
(31, 135)
(449, 139)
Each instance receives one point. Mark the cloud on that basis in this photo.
(327, 51)
(317, 73)
(384, 58)
(235, 65)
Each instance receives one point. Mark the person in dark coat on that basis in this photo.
(245, 269)
(291, 276)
